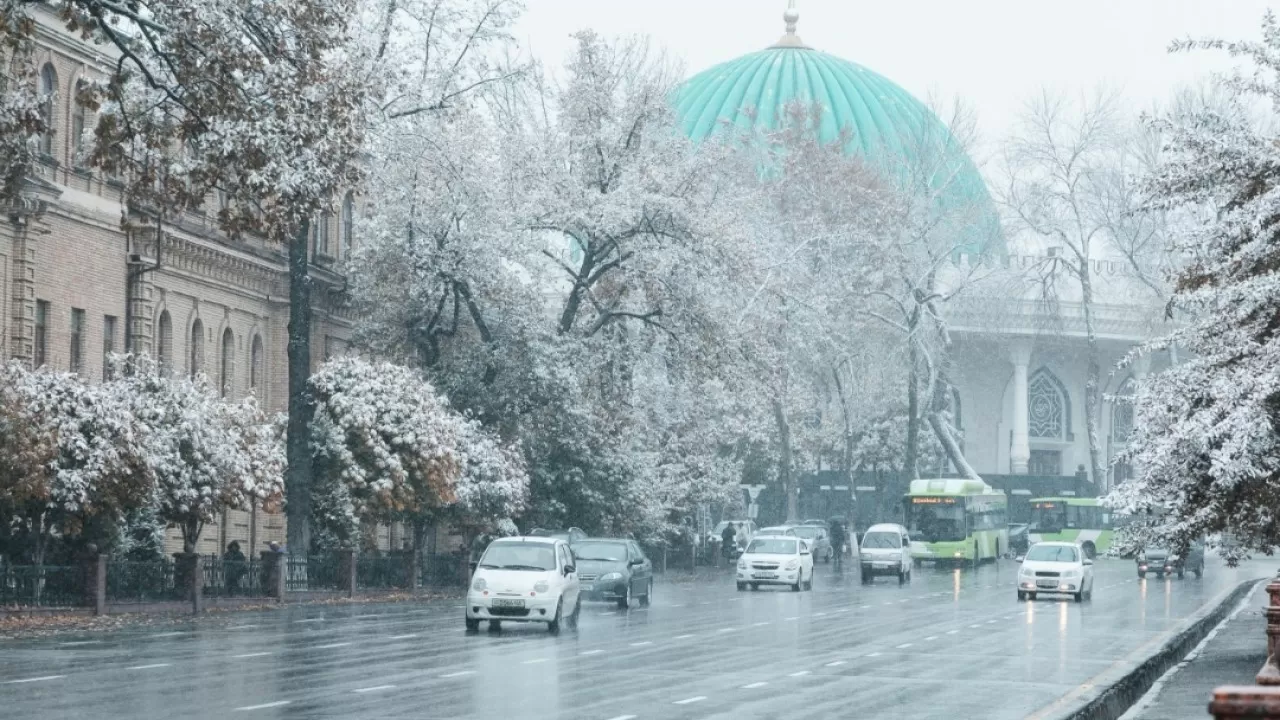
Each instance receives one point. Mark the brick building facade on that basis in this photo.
(85, 276)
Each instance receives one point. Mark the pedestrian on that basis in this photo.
(234, 567)
(726, 541)
(838, 541)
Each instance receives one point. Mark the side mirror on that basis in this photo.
(1019, 559)
(569, 569)
(635, 561)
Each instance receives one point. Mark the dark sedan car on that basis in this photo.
(613, 570)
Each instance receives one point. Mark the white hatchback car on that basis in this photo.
(1056, 567)
(524, 579)
(885, 550)
(776, 560)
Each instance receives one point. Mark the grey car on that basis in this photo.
(613, 570)
(1163, 562)
(818, 541)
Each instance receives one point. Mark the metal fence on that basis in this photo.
(316, 572)
(42, 586)
(142, 581)
(381, 572)
(233, 578)
(441, 571)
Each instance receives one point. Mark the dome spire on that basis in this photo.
(791, 17)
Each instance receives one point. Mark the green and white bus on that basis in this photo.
(956, 521)
(1072, 519)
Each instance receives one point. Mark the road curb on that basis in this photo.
(1122, 693)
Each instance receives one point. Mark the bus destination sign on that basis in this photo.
(933, 500)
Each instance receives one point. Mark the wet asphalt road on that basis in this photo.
(950, 644)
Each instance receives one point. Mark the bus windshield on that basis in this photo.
(1048, 517)
(941, 522)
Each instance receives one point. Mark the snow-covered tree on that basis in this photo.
(206, 455)
(69, 452)
(1206, 440)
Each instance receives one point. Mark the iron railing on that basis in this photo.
(316, 572)
(42, 586)
(130, 581)
(381, 572)
(233, 578)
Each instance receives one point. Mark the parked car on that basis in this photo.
(1162, 562)
(776, 560)
(1019, 539)
(1056, 567)
(524, 579)
(613, 570)
(816, 522)
(819, 543)
(778, 530)
(885, 550)
(571, 535)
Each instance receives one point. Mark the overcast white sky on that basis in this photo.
(991, 53)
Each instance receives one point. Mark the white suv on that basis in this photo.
(1056, 567)
(524, 579)
(885, 550)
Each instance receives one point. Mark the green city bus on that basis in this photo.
(956, 521)
(1072, 519)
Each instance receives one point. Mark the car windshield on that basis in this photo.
(606, 551)
(881, 540)
(808, 532)
(772, 546)
(1053, 553)
(519, 556)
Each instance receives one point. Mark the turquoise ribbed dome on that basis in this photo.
(883, 119)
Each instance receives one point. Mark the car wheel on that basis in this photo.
(1080, 596)
(554, 626)
(1141, 574)
(624, 602)
(755, 586)
(576, 614)
(1031, 596)
(808, 584)
(1022, 597)
(473, 624)
(902, 577)
(648, 592)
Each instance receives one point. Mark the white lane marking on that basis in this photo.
(263, 706)
(791, 618)
(459, 673)
(991, 622)
(250, 655)
(802, 673)
(310, 620)
(726, 630)
(905, 600)
(760, 624)
(754, 685)
(819, 614)
(241, 627)
(834, 663)
(404, 637)
(42, 678)
(148, 667)
(952, 632)
(624, 717)
(843, 610)
(888, 602)
(975, 625)
(705, 602)
(169, 634)
(682, 637)
(331, 646)
(590, 652)
(365, 617)
(690, 701)
(534, 661)
(376, 688)
(863, 607)
(875, 654)
(78, 643)
(904, 645)
(641, 643)
(674, 606)
(932, 637)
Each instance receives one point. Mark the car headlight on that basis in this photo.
(1071, 574)
(793, 564)
(479, 584)
(541, 586)
(1027, 572)
(610, 576)
(742, 564)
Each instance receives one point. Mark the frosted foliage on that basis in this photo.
(1205, 440)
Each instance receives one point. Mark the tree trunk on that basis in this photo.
(784, 463)
(939, 398)
(1092, 385)
(301, 406)
(910, 459)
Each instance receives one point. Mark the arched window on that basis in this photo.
(195, 364)
(1122, 412)
(227, 363)
(348, 223)
(79, 118)
(256, 367)
(48, 94)
(1048, 407)
(322, 234)
(164, 344)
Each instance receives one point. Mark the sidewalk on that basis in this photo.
(1231, 654)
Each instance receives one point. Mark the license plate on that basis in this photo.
(499, 602)
(1048, 584)
(767, 576)
(588, 588)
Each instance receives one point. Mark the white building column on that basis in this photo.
(1020, 450)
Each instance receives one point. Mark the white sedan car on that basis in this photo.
(776, 560)
(1056, 567)
(524, 579)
